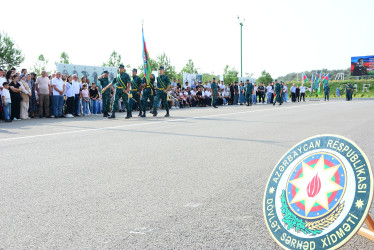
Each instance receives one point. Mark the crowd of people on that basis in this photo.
(26, 95)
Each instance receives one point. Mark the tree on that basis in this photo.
(64, 58)
(230, 75)
(10, 55)
(190, 68)
(115, 60)
(40, 65)
(164, 60)
(265, 77)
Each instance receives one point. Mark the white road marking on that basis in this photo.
(141, 230)
(163, 121)
(191, 204)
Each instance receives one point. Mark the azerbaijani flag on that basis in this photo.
(320, 81)
(316, 81)
(311, 84)
(304, 79)
(146, 62)
(327, 79)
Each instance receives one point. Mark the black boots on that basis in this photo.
(143, 115)
(112, 116)
(154, 112)
(105, 114)
(129, 115)
(167, 114)
(140, 113)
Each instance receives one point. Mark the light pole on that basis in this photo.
(241, 46)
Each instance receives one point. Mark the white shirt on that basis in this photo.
(302, 89)
(269, 89)
(193, 93)
(6, 94)
(293, 89)
(285, 89)
(255, 90)
(221, 86)
(207, 93)
(69, 90)
(2, 80)
(59, 83)
(76, 87)
(207, 86)
(174, 84)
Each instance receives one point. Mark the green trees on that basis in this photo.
(40, 65)
(115, 60)
(190, 68)
(10, 55)
(265, 77)
(64, 58)
(230, 75)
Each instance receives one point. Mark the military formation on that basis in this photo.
(135, 91)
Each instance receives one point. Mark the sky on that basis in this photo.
(278, 36)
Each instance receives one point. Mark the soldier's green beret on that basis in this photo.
(135, 70)
(121, 66)
(161, 67)
(105, 72)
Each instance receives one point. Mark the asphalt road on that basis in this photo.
(194, 180)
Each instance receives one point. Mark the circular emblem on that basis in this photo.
(319, 194)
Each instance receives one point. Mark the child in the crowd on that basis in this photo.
(6, 102)
(85, 100)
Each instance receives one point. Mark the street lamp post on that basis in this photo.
(241, 46)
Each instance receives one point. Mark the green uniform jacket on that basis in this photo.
(104, 82)
(214, 86)
(277, 88)
(151, 83)
(349, 89)
(135, 83)
(326, 89)
(163, 82)
(249, 88)
(121, 81)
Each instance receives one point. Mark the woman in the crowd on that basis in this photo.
(15, 96)
(69, 92)
(31, 81)
(94, 95)
(9, 76)
(25, 94)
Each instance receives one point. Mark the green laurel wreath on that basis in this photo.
(292, 221)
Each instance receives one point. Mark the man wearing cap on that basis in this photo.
(122, 82)
(213, 87)
(136, 83)
(278, 92)
(104, 81)
(163, 86)
(349, 91)
(326, 91)
(248, 92)
(148, 93)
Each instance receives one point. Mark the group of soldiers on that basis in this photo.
(278, 91)
(130, 91)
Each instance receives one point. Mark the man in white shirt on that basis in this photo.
(207, 85)
(43, 88)
(77, 88)
(58, 86)
(173, 83)
(208, 98)
(302, 92)
(186, 85)
(293, 93)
